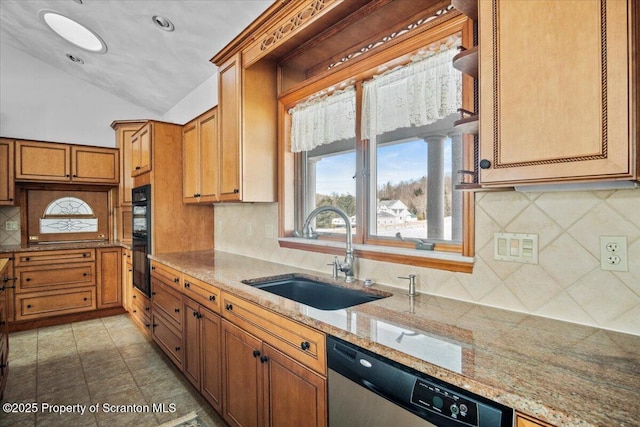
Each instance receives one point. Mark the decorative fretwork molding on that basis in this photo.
(430, 21)
(294, 22)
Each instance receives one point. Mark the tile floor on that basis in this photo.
(102, 361)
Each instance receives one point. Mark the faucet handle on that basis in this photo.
(412, 284)
(335, 265)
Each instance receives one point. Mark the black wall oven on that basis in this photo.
(141, 197)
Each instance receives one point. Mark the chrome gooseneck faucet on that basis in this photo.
(347, 266)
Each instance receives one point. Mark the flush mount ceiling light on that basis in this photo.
(73, 32)
(163, 23)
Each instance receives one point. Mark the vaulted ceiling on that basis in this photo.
(144, 65)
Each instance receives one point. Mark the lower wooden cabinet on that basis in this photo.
(264, 387)
(166, 335)
(242, 383)
(36, 305)
(140, 310)
(109, 277)
(4, 323)
(166, 320)
(57, 282)
(527, 421)
(202, 356)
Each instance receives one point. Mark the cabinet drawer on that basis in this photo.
(140, 304)
(23, 259)
(166, 274)
(39, 278)
(168, 338)
(304, 344)
(52, 303)
(167, 300)
(203, 293)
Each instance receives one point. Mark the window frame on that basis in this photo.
(447, 256)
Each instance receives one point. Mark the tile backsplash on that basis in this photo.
(9, 213)
(567, 283)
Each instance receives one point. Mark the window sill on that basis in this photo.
(429, 259)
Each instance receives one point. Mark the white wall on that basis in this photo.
(195, 103)
(41, 102)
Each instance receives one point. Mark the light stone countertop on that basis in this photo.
(562, 373)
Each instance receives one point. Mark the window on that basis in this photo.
(392, 169)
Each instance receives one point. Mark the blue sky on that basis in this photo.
(401, 162)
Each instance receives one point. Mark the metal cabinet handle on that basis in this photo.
(256, 353)
(305, 345)
(177, 310)
(176, 280)
(187, 284)
(485, 164)
(212, 297)
(229, 307)
(264, 359)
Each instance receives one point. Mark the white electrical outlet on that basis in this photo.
(613, 253)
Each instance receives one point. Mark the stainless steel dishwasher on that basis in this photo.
(368, 390)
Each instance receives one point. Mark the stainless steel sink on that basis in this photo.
(315, 293)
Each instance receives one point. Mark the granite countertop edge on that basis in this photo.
(226, 279)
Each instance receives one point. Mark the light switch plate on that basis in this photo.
(515, 247)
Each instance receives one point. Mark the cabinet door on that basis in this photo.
(554, 86)
(294, 395)
(191, 162)
(141, 150)
(242, 384)
(10, 285)
(191, 336)
(127, 279)
(230, 116)
(209, 165)
(526, 421)
(7, 187)
(211, 357)
(124, 132)
(42, 161)
(91, 164)
(109, 277)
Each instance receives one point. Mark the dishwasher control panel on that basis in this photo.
(444, 402)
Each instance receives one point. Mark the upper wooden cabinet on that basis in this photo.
(247, 131)
(53, 162)
(200, 158)
(141, 150)
(124, 131)
(557, 91)
(7, 187)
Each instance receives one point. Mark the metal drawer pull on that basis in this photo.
(264, 359)
(187, 284)
(177, 310)
(256, 353)
(305, 345)
(212, 297)
(229, 307)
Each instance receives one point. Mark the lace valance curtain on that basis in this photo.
(417, 94)
(323, 120)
